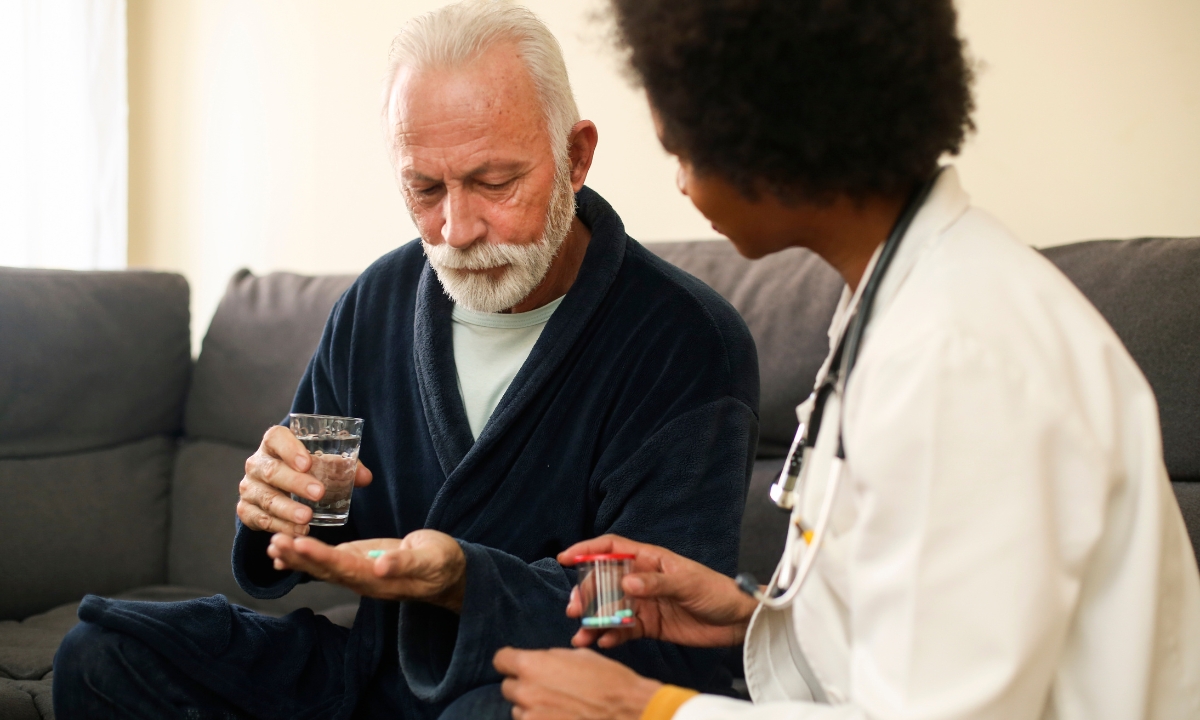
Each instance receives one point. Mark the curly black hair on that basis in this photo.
(803, 98)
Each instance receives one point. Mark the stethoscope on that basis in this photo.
(787, 491)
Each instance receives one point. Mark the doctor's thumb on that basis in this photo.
(644, 585)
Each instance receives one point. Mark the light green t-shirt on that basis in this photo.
(489, 350)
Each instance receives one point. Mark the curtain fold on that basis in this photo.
(64, 139)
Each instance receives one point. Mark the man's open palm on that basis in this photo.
(425, 565)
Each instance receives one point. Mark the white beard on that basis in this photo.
(526, 264)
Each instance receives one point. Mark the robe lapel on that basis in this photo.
(437, 378)
(605, 253)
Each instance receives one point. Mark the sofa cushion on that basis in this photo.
(27, 652)
(27, 647)
(202, 526)
(90, 359)
(25, 699)
(764, 526)
(1188, 495)
(787, 300)
(86, 522)
(1149, 291)
(257, 347)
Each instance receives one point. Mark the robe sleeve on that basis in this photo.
(683, 488)
(322, 390)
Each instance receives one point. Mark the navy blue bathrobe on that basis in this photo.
(635, 414)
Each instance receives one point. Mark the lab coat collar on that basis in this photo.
(946, 203)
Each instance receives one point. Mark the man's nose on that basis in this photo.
(463, 224)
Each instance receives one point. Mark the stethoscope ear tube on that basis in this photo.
(787, 490)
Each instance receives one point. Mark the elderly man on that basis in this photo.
(530, 377)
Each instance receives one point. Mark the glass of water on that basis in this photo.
(333, 444)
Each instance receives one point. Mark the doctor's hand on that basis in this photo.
(274, 472)
(674, 598)
(563, 684)
(425, 565)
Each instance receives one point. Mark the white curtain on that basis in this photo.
(64, 142)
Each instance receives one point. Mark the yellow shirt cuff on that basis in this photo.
(666, 701)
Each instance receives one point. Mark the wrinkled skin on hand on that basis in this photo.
(278, 469)
(425, 565)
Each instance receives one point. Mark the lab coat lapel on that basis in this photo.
(820, 616)
(465, 484)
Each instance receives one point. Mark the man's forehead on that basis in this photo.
(461, 149)
(412, 168)
(491, 96)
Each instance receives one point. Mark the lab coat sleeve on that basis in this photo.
(963, 568)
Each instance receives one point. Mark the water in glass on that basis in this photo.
(334, 459)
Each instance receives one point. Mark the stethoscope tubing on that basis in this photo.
(788, 491)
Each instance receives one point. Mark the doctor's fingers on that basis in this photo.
(650, 585)
(646, 557)
(575, 604)
(533, 701)
(603, 545)
(605, 639)
(678, 578)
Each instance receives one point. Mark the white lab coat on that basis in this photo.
(1005, 543)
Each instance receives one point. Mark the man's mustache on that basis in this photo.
(480, 255)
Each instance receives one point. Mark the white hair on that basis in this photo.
(454, 35)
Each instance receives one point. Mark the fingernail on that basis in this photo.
(375, 553)
(314, 490)
(635, 585)
(301, 460)
(299, 515)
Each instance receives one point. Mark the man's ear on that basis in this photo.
(582, 143)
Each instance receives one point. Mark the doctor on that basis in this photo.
(983, 523)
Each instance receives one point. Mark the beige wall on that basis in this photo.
(1089, 116)
(254, 135)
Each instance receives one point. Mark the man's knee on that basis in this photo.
(85, 646)
(482, 703)
(83, 663)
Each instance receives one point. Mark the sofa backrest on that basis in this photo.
(253, 355)
(93, 370)
(1149, 291)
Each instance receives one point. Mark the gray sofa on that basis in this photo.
(120, 456)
